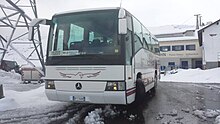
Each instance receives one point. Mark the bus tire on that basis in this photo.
(153, 90)
(140, 92)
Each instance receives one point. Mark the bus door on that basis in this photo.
(130, 77)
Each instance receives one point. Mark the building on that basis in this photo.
(179, 46)
(209, 40)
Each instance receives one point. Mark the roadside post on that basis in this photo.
(1, 91)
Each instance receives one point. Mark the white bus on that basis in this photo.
(95, 56)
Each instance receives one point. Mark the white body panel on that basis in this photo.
(93, 80)
(85, 72)
(130, 84)
(90, 97)
(145, 63)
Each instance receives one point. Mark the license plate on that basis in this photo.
(80, 99)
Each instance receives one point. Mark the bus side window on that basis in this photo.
(137, 43)
(137, 35)
(128, 41)
(59, 45)
(145, 43)
(146, 38)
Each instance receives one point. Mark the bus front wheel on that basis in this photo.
(140, 92)
(153, 90)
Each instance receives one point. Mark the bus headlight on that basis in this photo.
(49, 85)
(115, 86)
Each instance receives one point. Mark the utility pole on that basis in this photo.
(17, 14)
(198, 20)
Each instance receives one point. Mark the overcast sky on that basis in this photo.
(149, 12)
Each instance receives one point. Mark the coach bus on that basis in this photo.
(96, 55)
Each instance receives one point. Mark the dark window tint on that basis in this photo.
(83, 33)
(137, 34)
(190, 47)
(146, 39)
(128, 42)
(164, 48)
(178, 48)
(171, 63)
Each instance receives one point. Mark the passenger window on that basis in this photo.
(60, 40)
(128, 41)
(146, 39)
(137, 43)
(137, 35)
(155, 46)
(76, 34)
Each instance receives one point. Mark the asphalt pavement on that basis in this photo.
(177, 103)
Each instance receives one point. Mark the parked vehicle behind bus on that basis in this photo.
(30, 74)
(95, 56)
(9, 65)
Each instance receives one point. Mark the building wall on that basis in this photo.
(182, 54)
(189, 56)
(211, 46)
(210, 65)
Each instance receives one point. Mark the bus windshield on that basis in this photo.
(84, 33)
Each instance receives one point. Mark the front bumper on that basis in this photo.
(105, 97)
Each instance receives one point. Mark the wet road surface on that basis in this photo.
(175, 103)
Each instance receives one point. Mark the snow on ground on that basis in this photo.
(9, 77)
(193, 76)
(97, 116)
(196, 76)
(208, 114)
(27, 99)
(217, 120)
(94, 117)
(21, 99)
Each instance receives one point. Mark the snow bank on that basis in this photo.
(94, 117)
(97, 116)
(208, 114)
(26, 99)
(217, 120)
(9, 77)
(193, 76)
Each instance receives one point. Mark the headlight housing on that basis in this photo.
(115, 86)
(49, 85)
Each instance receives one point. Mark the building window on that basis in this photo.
(164, 48)
(184, 64)
(190, 47)
(171, 65)
(178, 48)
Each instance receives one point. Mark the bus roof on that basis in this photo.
(84, 10)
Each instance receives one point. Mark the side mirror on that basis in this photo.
(35, 23)
(122, 26)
